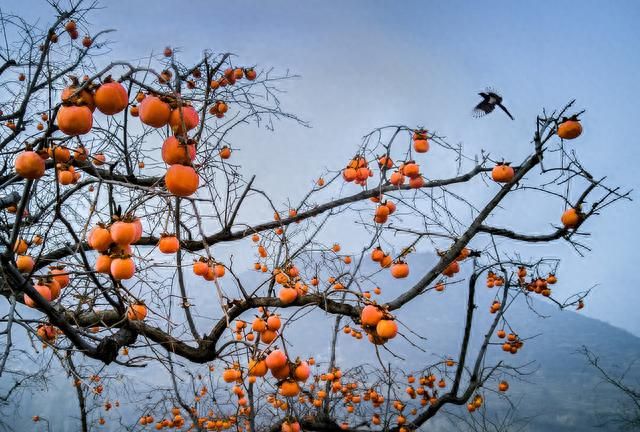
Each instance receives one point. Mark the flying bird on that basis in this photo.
(489, 101)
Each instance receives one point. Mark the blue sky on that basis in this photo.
(365, 64)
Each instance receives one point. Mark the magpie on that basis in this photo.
(489, 101)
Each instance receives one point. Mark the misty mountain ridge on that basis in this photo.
(559, 392)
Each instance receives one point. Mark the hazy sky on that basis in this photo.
(365, 64)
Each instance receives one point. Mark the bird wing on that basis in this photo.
(506, 111)
(483, 108)
(494, 97)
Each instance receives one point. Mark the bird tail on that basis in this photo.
(506, 111)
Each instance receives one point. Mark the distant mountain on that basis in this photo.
(559, 393)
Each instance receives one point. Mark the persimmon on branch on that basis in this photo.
(117, 190)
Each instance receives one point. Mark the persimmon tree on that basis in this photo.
(119, 192)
